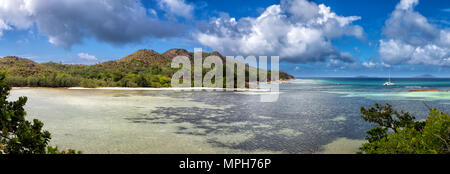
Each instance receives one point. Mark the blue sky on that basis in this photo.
(352, 38)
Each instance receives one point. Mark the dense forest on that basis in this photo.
(143, 68)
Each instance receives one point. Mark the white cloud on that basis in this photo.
(369, 64)
(297, 31)
(409, 26)
(3, 26)
(407, 4)
(386, 65)
(301, 10)
(67, 22)
(177, 8)
(152, 12)
(395, 51)
(87, 57)
(445, 38)
(411, 39)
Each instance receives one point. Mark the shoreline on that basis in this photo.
(170, 89)
(155, 89)
(284, 81)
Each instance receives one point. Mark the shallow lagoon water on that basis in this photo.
(311, 116)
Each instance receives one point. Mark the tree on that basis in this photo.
(18, 135)
(398, 132)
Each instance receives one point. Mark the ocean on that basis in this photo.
(312, 115)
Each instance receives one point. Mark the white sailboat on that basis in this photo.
(389, 83)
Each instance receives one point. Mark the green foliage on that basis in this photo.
(144, 68)
(18, 135)
(92, 83)
(55, 150)
(398, 133)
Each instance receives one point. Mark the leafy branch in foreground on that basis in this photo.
(398, 133)
(18, 135)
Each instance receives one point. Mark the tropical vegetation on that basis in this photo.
(18, 135)
(399, 133)
(144, 68)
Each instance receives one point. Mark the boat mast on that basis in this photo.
(389, 75)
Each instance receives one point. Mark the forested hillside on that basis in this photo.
(143, 68)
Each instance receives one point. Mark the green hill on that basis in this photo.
(143, 68)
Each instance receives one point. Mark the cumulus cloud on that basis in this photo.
(411, 39)
(296, 30)
(407, 4)
(3, 27)
(369, 64)
(67, 22)
(88, 57)
(177, 7)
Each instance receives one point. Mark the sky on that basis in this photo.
(321, 38)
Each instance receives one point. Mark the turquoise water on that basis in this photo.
(372, 88)
(311, 116)
(399, 82)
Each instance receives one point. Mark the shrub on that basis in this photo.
(398, 133)
(18, 135)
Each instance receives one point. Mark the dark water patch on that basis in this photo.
(308, 121)
(303, 120)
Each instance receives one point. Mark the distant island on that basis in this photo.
(363, 76)
(425, 76)
(143, 68)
